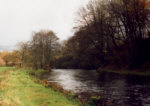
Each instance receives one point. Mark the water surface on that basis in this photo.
(120, 89)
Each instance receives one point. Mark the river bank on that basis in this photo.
(116, 89)
(138, 72)
(19, 88)
(85, 98)
(84, 87)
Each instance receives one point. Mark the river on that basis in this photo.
(120, 89)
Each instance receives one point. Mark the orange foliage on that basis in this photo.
(2, 62)
(9, 58)
(145, 3)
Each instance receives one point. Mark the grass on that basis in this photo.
(38, 73)
(18, 88)
(3, 69)
(127, 72)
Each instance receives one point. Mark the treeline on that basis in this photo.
(37, 53)
(107, 32)
(114, 32)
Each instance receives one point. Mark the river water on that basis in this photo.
(120, 89)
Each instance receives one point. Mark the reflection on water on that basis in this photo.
(128, 90)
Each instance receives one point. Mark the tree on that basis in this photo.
(130, 18)
(42, 45)
(23, 53)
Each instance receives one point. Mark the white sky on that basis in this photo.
(19, 18)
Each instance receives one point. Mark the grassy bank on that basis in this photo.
(37, 73)
(125, 72)
(17, 88)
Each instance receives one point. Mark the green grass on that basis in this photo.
(37, 73)
(18, 88)
(3, 69)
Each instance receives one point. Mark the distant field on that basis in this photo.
(17, 88)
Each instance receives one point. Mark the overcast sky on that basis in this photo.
(19, 18)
